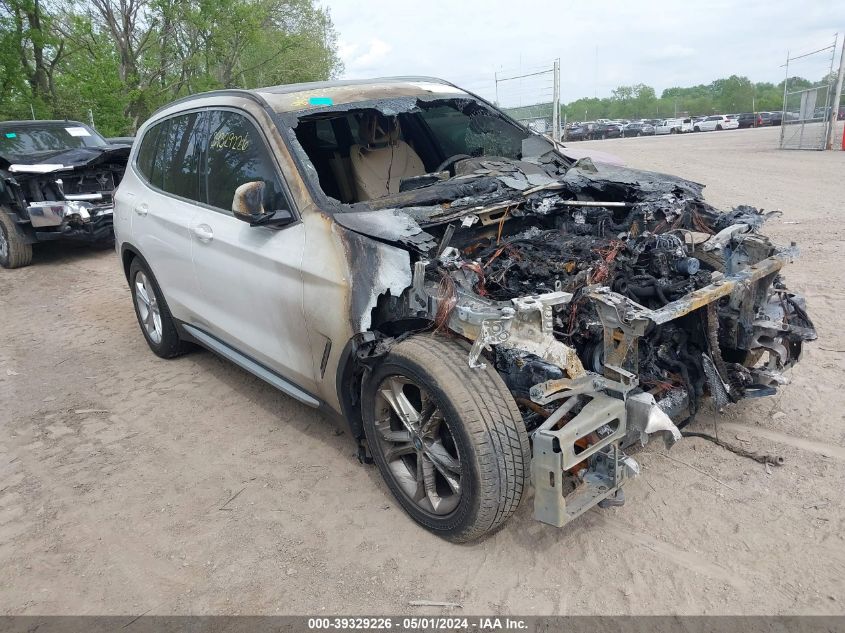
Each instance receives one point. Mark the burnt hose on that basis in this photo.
(763, 458)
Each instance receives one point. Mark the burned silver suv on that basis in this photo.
(483, 310)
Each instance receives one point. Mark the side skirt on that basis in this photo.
(196, 335)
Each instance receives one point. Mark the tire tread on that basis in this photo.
(490, 417)
(20, 251)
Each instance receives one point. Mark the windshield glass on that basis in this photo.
(361, 154)
(17, 141)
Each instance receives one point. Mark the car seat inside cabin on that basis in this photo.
(363, 154)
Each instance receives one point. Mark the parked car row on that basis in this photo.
(602, 129)
(608, 129)
(762, 119)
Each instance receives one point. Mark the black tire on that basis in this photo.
(170, 345)
(696, 129)
(719, 128)
(15, 251)
(483, 422)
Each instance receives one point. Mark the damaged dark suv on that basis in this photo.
(56, 182)
(483, 311)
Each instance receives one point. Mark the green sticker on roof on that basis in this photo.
(11, 135)
(320, 101)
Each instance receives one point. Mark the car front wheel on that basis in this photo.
(15, 252)
(448, 439)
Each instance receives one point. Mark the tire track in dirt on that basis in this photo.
(813, 446)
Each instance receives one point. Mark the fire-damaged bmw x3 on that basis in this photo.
(56, 183)
(485, 312)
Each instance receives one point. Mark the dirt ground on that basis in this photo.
(130, 484)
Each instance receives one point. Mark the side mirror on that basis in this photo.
(248, 202)
(248, 206)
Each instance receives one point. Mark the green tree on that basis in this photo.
(30, 51)
(121, 59)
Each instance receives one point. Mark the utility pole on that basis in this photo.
(496, 81)
(834, 113)
(556, 102)
(785, 93)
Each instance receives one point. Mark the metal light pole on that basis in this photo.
(556, 102)
(834, 114)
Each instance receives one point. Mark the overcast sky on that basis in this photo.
(660, 43)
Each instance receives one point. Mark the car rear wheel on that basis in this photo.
(157, 324)
(448, 440)
(15, 251)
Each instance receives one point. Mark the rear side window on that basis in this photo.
(147, 151)
(169, 155)
(237, 155)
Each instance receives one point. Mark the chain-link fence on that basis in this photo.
(807, 117)
(808, 111)
(531, 95)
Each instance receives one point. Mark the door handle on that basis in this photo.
(142, 209)
(204, 233)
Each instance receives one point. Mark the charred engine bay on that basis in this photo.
(578, 250)
(510, 229)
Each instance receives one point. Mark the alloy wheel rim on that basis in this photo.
(417, 445)
(148, 309)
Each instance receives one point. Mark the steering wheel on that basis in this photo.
(449, 163)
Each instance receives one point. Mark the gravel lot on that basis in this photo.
(130, 484)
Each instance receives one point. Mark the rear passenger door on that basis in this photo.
(168, 161)
(250, 277)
